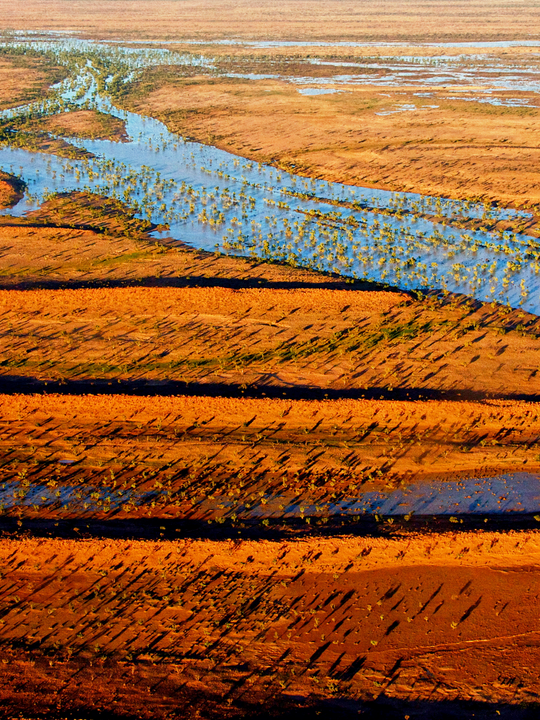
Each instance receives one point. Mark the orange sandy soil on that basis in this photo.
(24, 78)
(296, 339)
(205, 458)
(206, 629)
(459, 149)
(87, 124)
(308, 19)
(11, 190)
(163, 319)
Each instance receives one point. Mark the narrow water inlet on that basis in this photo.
(507, 493)
(213, 200)
(498, 495)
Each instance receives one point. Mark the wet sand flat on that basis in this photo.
(237, 488)
(241, 625)
(329, 20)
(448, 144)
(200, 462)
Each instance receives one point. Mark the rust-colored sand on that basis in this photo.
(456, 149)
(87, 124)
(347, 341)
(11, 190)
(235, 451)
(423, 619)
(309, 19)
(24, 79)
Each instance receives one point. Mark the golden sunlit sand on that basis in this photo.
(236, 487)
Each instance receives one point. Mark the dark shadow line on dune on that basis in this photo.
(25, 385)
(207, 703)
(159, 528)
(385, 707)
(337, 283)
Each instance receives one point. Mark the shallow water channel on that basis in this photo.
(211, 199)
(508, 493)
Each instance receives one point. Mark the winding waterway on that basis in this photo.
(214, 200)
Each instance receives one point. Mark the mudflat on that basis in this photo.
(309, 20)
(23, 79)
(408, 137)
(176, 628)
(232, 487)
